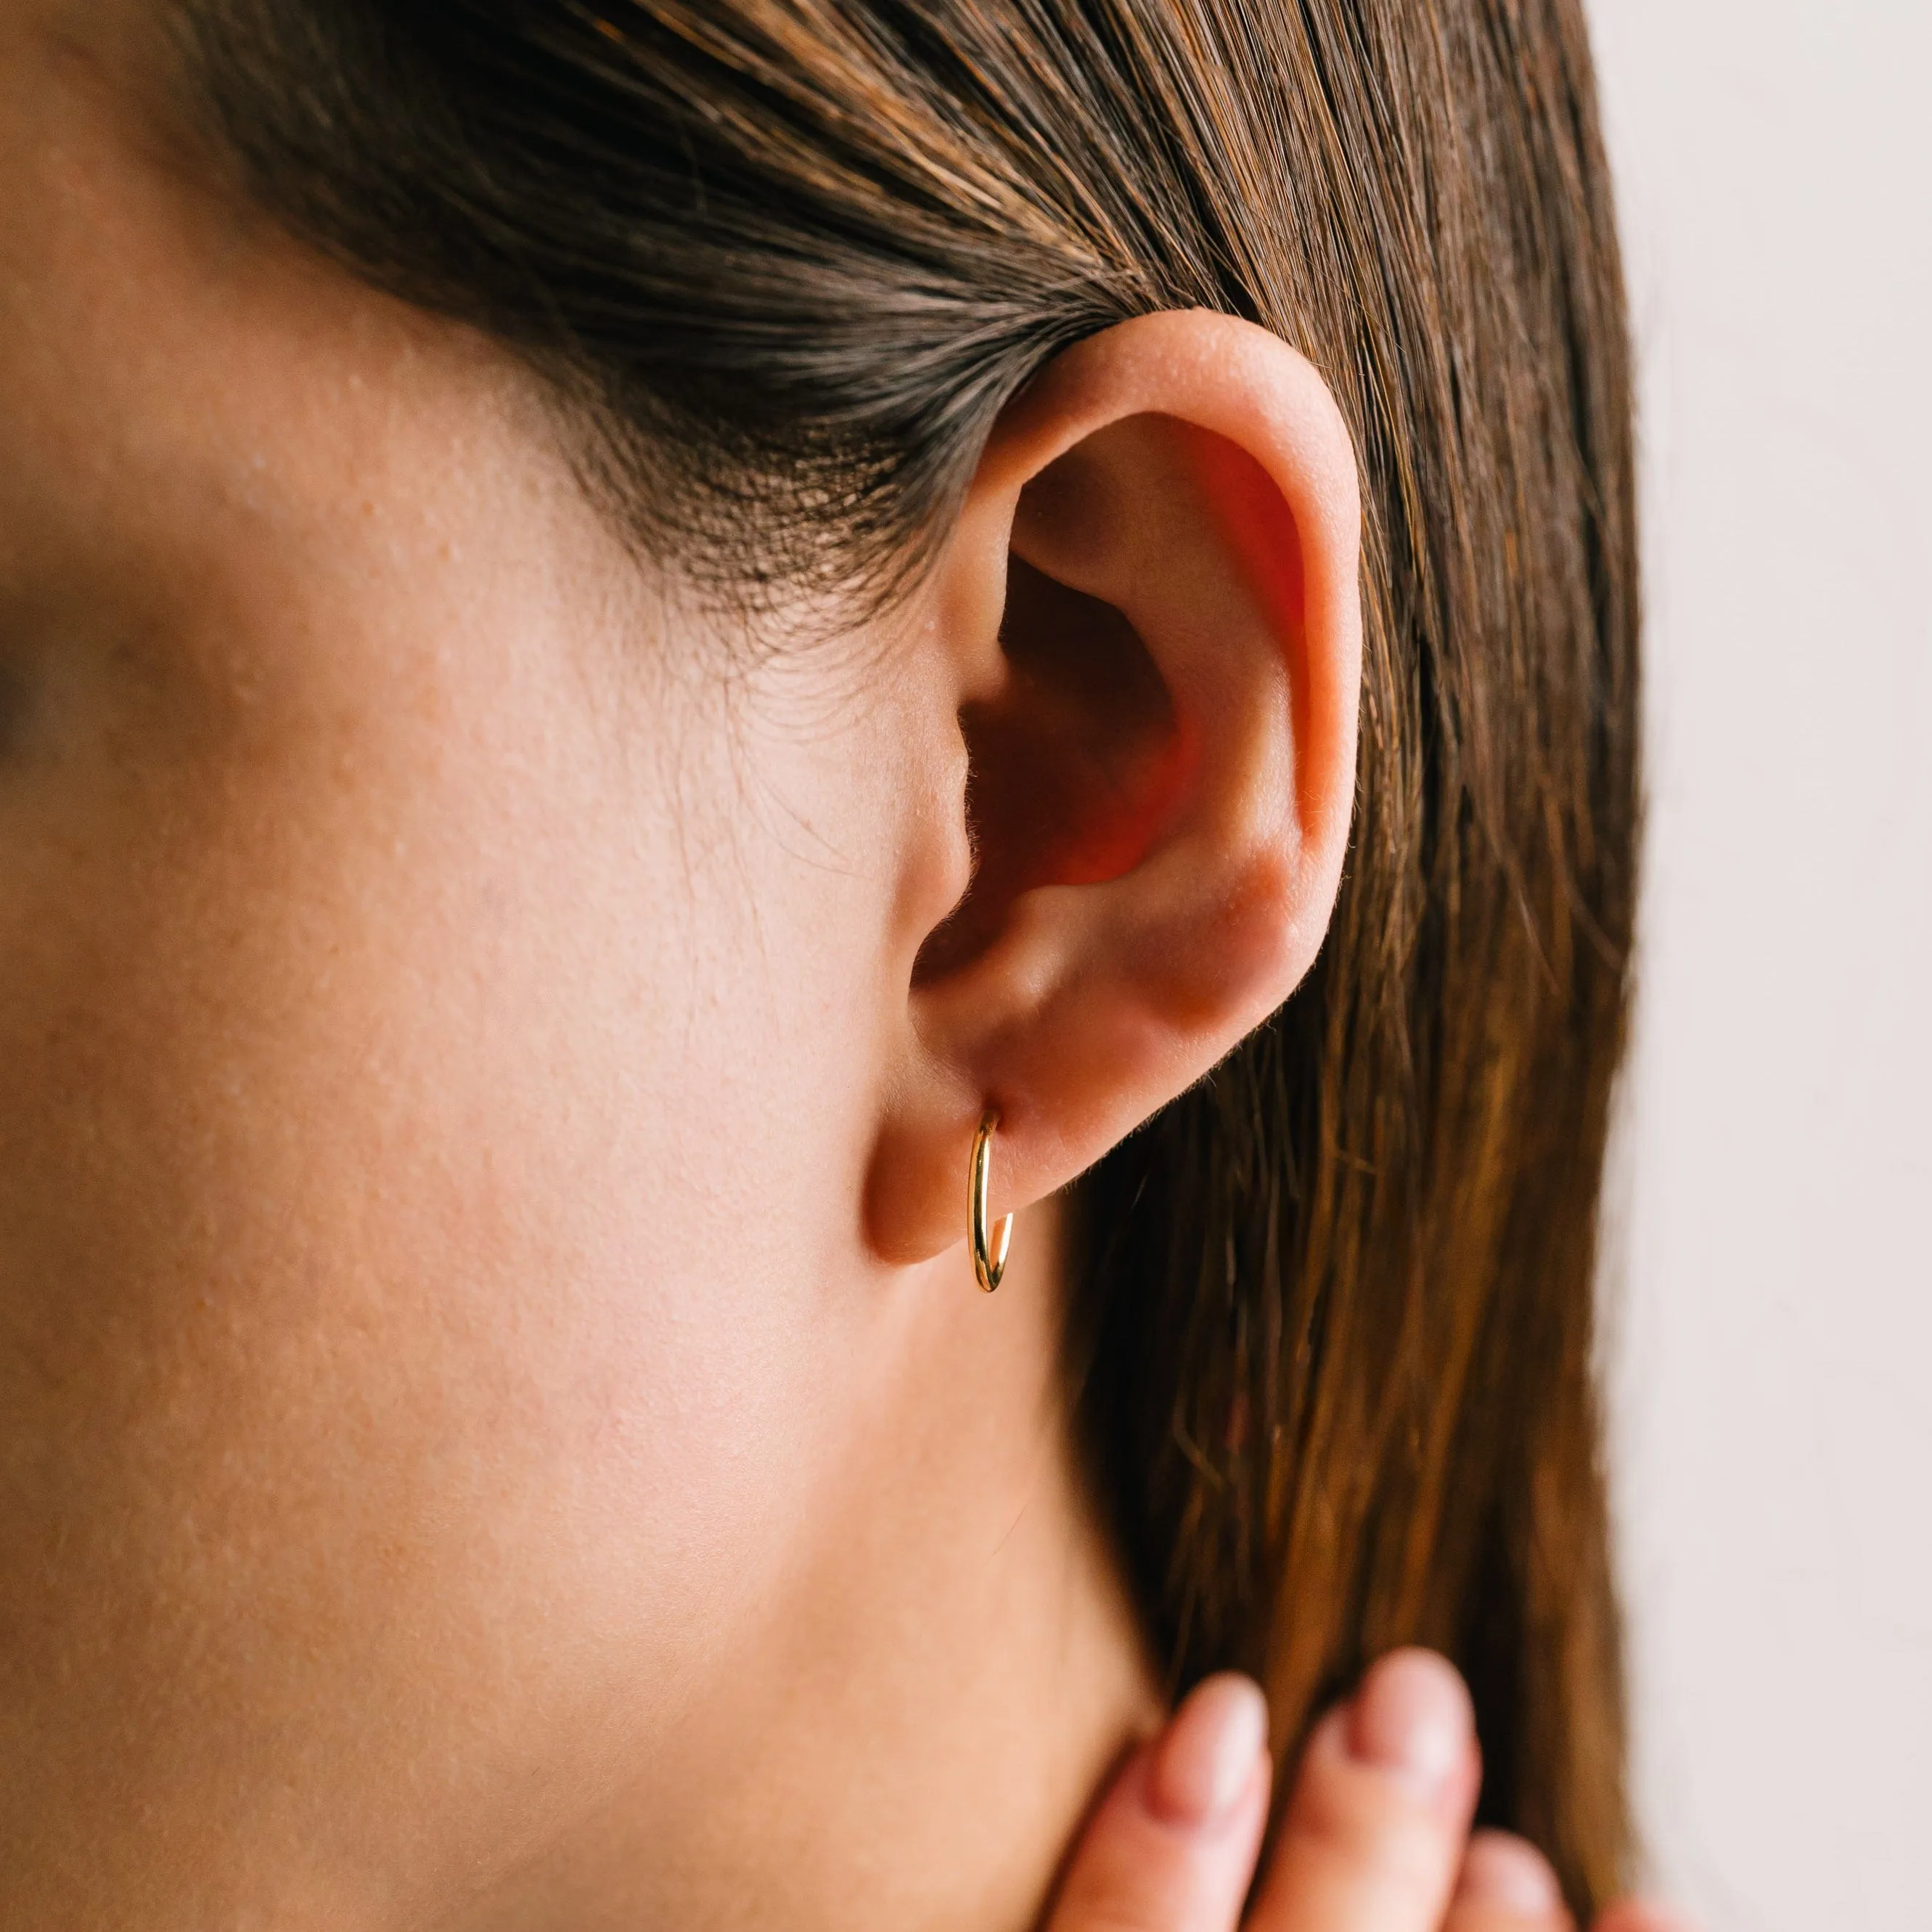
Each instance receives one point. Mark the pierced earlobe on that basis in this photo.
(989, 1268)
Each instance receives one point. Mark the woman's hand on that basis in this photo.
(1376, 1837)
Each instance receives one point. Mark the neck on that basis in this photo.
(950, 1671)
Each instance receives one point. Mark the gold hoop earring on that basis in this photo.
(988, 1267)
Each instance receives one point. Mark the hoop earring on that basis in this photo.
(988, 1267)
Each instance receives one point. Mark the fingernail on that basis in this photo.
(1412, 1717)
(1504, 1874)
(1209, 1757)
(1650, 1914)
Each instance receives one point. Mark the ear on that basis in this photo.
(1150, 609)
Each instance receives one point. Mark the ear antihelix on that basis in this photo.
(989, 1261)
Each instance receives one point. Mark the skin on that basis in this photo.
(1375, 1836)
(497, 1428)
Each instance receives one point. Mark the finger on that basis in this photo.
(1172, 1847)
(1374, 1831)
(1636, 1915)
(1506, 1885)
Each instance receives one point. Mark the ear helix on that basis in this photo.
(989, 1265)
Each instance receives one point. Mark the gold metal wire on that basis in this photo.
(989, 1266)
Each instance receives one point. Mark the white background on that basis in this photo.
(1772, 1280)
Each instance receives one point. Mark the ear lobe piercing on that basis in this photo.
(989, 1265)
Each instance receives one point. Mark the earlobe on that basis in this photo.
(1161, 733)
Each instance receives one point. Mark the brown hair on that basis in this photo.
(1331, 1330)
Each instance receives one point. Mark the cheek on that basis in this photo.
(389, 1303)
(416, 1217)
